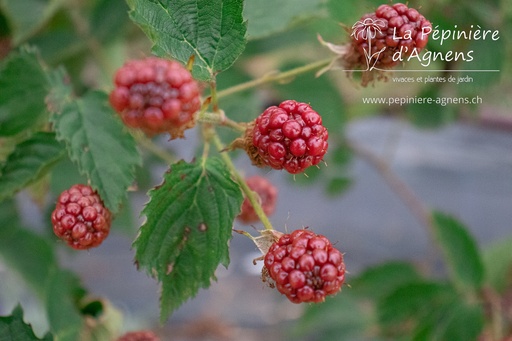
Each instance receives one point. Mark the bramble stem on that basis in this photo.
(149, 145)
(249, 193)
(210, 135)
(214, 97)
(417, 207)
(273, 77)
(217, 117)
(496, 312)
(220, 119)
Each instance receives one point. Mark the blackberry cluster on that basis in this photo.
(289, 136)
(305, 266)
(267, 194)
(156, 95)
(391, 28)
(80, 218)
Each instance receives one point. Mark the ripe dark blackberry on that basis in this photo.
(141, 335)
(289, 136)
(80, 218)
(305, 266)
(267, 194)
(156, 95)
(377, 36)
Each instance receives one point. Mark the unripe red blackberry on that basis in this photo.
(305, 266)
(156, 95)
(289, 136)
(142, 335)
(267, 194)
(80, 218)
(377, 36)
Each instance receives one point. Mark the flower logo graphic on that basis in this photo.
(367, 29)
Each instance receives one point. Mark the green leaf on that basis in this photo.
(8, 213)
(38, 256)
(487, 55)
(97, 141)
(433, 115)
(213, 31)
(378, 281)
(62, 294)
(60, 92)
(55, 44)
(460, 251)
(445, 24)
(497, 259)
(38, 267)
(429, 311)
(323, 96)
(461, 322)
(189, 222)
(26, 17)
(29, 162)
(13, 328)
(342, 155)
(352, 313)
(348, 15)
(338, 185)
(413, 300)
(24, 85)
(413, 306)
(8, 144)
(64, 175)
(343, 317)
(243, 106)
(265, 18)
(4, 27)
(117, 13)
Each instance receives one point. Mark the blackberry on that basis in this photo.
(267, 194)
(156, 95)
(289, 136)
(80, 218)
(305, 266)
(377, 36)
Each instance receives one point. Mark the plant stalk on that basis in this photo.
(249, 193)
(404, 192)
(149, 145)
(221, 120)
(273, 77)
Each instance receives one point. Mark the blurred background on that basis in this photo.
(454, 158)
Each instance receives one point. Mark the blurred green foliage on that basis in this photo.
(90, 39)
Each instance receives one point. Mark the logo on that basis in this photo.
(370, 28)
(377, 46)
(367, 29)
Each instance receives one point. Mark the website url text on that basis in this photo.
(443, 101)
